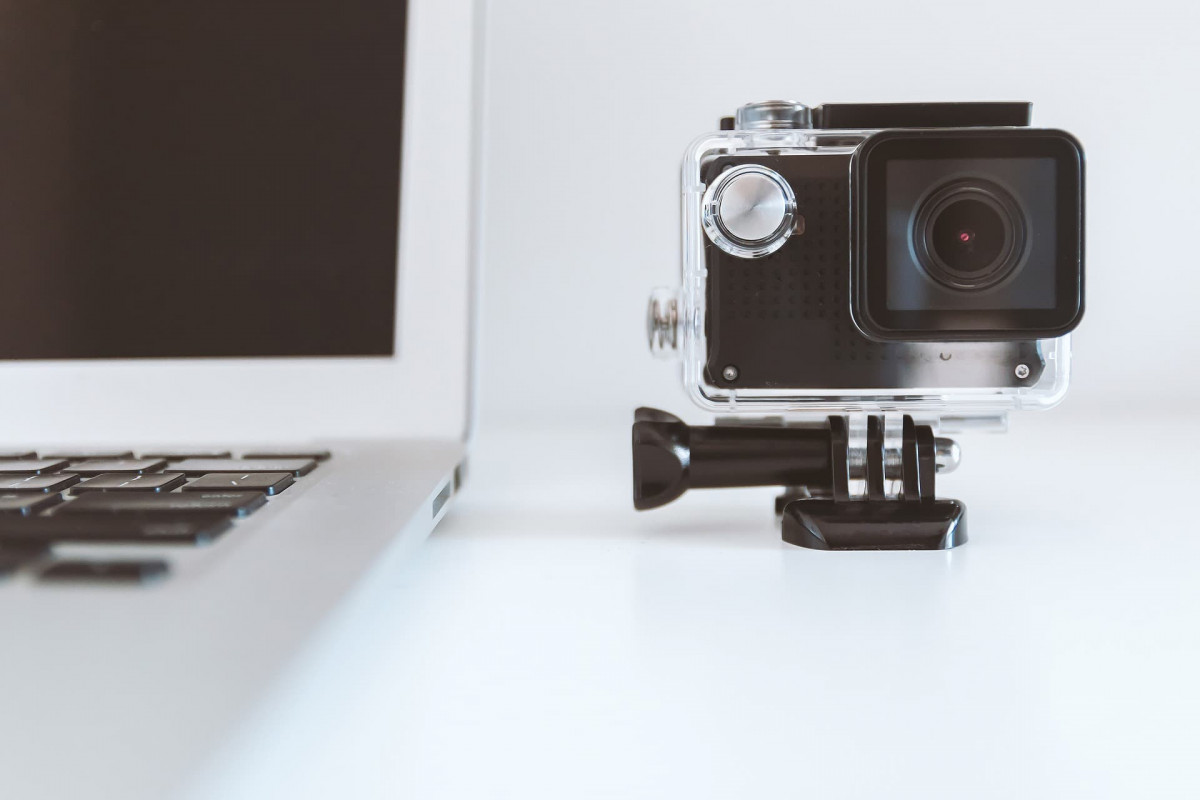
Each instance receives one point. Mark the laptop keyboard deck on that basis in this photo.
(122, 497)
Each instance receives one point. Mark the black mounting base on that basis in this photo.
(830, 525)
(842, 494)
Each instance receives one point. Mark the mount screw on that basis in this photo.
(1022, 371)
(730, 373)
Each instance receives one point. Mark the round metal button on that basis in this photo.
(749, 211)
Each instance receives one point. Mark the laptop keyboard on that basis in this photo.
(122, 497)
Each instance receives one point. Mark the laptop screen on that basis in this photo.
(199, 179)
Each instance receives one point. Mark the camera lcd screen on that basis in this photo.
(199, 179)
(969, 235)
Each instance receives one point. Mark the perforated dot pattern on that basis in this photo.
(797, 294)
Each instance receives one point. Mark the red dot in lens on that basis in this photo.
(965, 236)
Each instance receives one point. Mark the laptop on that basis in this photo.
(236, 292)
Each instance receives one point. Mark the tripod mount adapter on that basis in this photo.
(864, 482)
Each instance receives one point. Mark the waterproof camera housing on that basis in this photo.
(857, 279)
(919, 258)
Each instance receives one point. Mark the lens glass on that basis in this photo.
(968, 236)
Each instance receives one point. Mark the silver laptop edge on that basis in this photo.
(130, 692)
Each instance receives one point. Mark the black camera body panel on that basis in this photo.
(783, 320)
(877, 116)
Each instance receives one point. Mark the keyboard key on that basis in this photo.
(202, 466)
(268, 482)
(12, 455)
(25, 532)
(237, 504)
(31, 466)
(180, 455)
(142, 571)
(100, 466)
(127, 482)
(27, 503)
(37, 483)
(84, 455)
(313, 455)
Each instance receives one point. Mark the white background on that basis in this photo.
(592, 102)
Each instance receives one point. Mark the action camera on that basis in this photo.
(854, 260)
(831, 261)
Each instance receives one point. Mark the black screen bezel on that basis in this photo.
(869, 188)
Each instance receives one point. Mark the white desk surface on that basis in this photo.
(550, 642)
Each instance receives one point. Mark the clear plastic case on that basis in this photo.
(930, 379)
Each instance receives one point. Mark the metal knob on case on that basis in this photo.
(749, 211)
(662, 323)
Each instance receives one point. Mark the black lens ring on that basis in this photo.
(990, 195)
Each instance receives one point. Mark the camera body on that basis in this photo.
(921, 258)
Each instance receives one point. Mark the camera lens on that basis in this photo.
(969, 235)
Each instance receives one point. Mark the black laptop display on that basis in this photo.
(214, 179)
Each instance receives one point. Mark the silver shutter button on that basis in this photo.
(749, 211)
